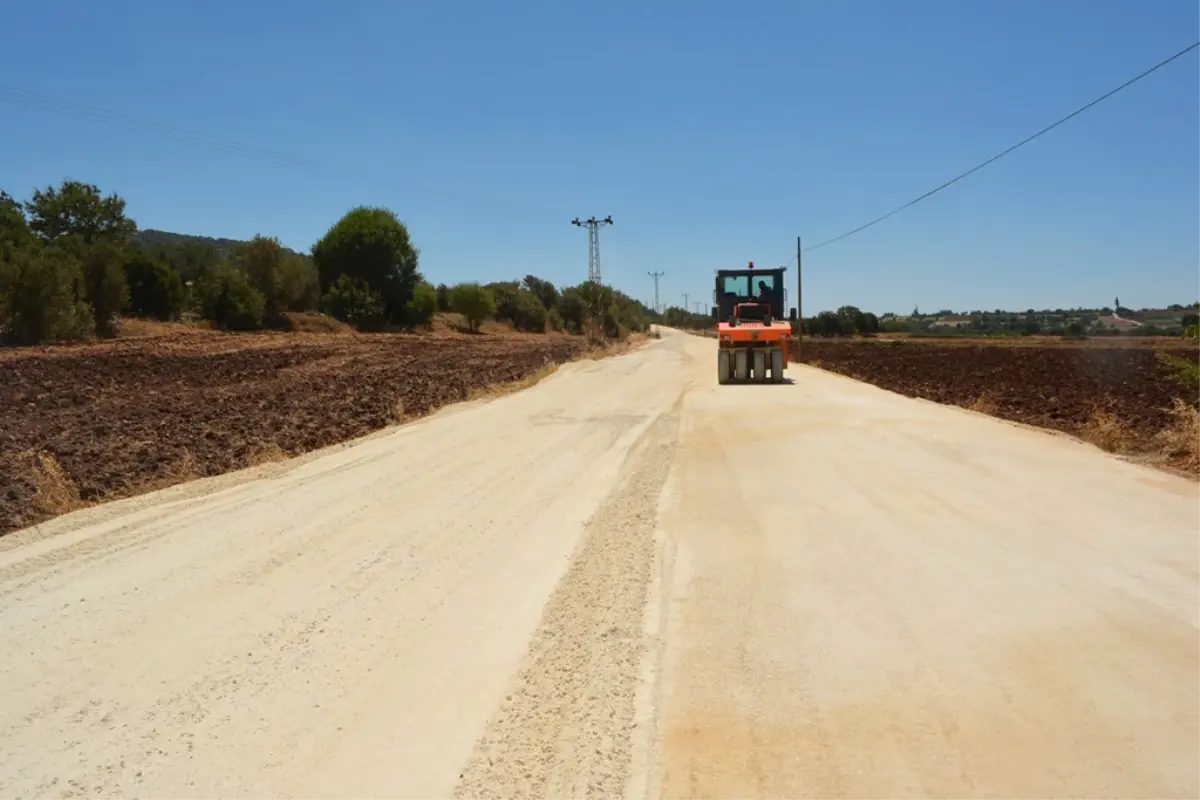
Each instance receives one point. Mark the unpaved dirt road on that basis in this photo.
(624, 581)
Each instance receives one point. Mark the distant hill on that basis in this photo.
(150, 237)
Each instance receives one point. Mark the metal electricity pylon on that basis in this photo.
(593, 226)
(656, 276)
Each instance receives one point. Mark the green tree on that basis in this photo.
(14, 227)
(104, 281)
(851, 320)
(227, 297)
(632, 314)
(261, 260)
(191, 258)
(827, 323)
(542, 289)
(299, 287)
(424, 304)
(443, 297)
(573, 309)
(39, 298)
(155, 289)
(351, 300)
(78, 210)
(371, 245)
(519, 306)
(474, 302)
(76, 218)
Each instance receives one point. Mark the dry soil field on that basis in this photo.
(1118, 395)
(99, 421)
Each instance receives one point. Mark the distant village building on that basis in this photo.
(952, 322)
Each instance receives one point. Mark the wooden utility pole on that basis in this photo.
(799, 301)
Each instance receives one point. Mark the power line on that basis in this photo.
(1000, 155)
(20, 96)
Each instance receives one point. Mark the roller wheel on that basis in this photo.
(777, 365)
(760, 366)
(723, 366)
(741, 365)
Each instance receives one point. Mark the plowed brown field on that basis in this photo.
(118, 418)
(1061, 387)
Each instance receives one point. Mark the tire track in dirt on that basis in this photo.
(566, 728)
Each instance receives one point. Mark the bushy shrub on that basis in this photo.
(524, 310)
(227, 297)
(373, 246)
(104, 281)
(424, 304)
(40, 297)
(351, 300)
(155, 289)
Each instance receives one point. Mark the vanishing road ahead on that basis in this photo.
(625, 580)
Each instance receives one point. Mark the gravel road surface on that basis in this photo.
(623, 581)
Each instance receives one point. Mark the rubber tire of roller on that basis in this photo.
(724, 368)
(741, 365)
(760, 365)
(777, 365)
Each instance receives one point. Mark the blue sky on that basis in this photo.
(713, 133)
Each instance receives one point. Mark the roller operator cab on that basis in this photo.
(752, 334)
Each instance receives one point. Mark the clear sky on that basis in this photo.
(713, 132)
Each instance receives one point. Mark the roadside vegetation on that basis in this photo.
(73, 265)
(136, 359)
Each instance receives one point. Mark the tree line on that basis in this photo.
(72, 262)
(846, 321)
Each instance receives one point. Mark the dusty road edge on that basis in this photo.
(1132, 459)
(566, 728)
(643, 778)
(189, 491)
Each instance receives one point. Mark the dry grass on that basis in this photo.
(985, 403)
(138, 328)
(604, 348)
(184, 469)
(307, 322)
(266, 453)
(399, 415)
(1181, 442)
(495, 328)
(1105, 431)
(54, 492)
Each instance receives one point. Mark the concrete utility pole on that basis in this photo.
(656, 276)
(686, 295)
(593, 226)
(698, 304)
